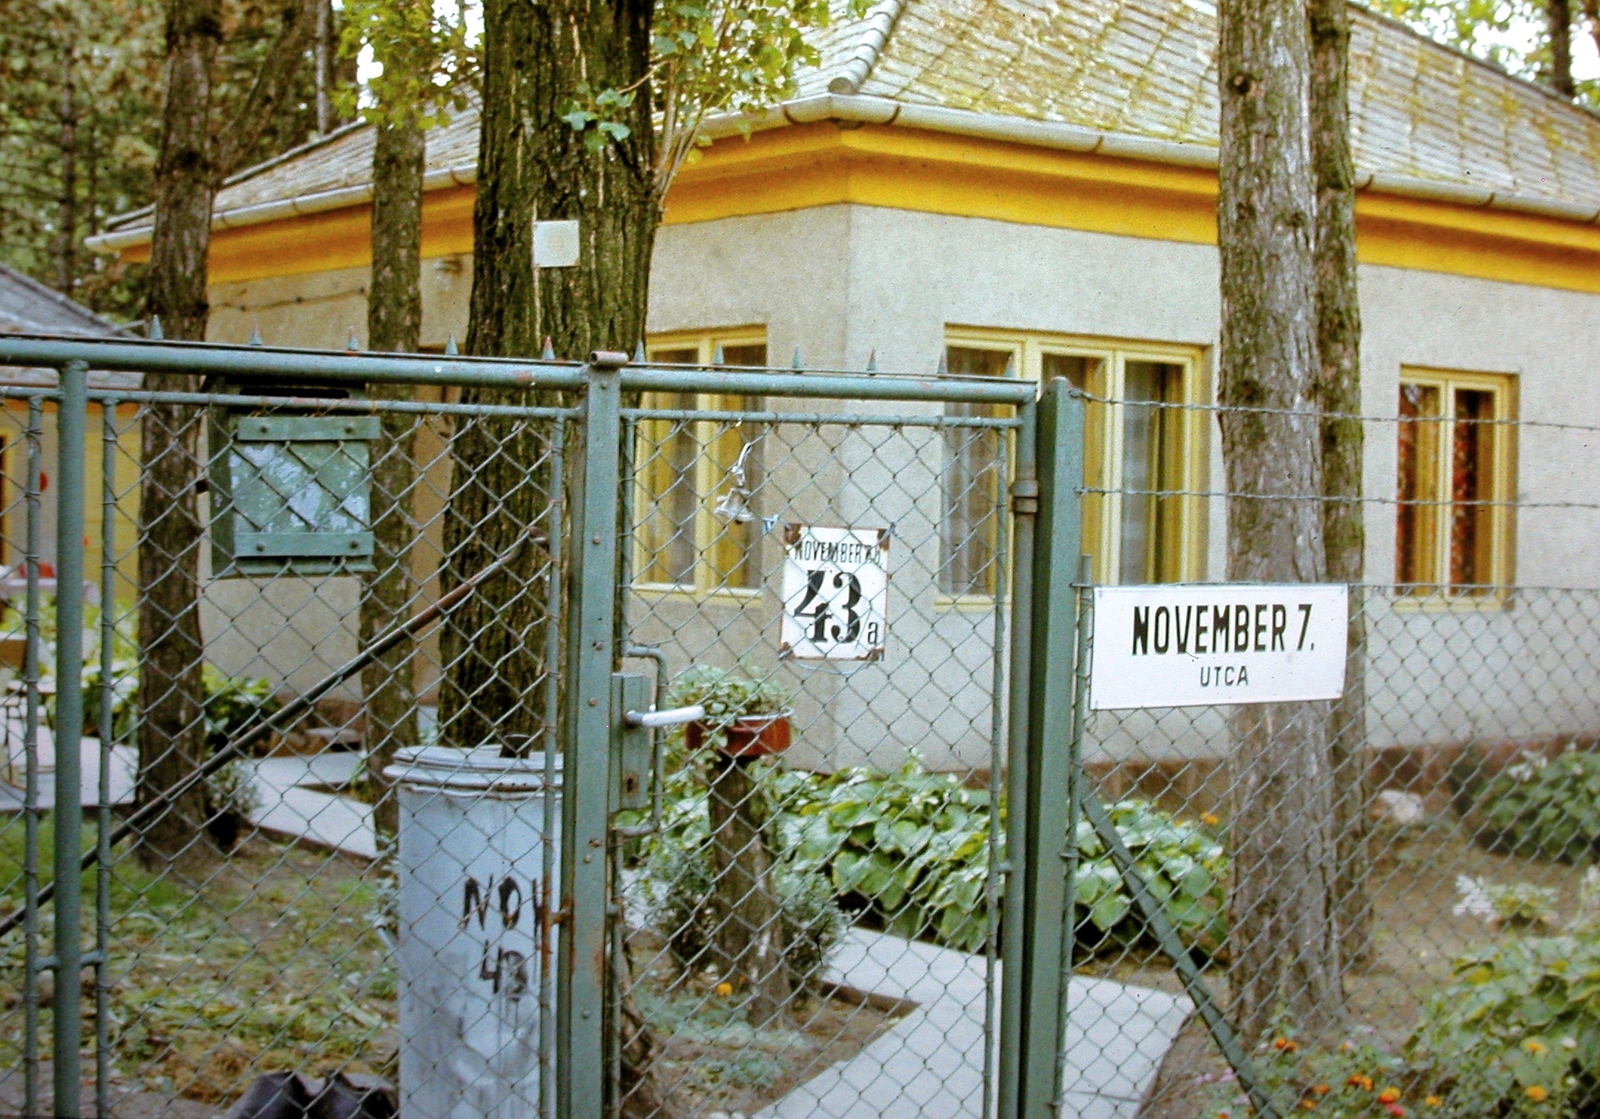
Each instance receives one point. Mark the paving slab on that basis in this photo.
(930, 1064)
(338, 823)
(124, 771)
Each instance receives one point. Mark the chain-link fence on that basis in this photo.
(692, 696)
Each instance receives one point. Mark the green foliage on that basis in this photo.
(727, 694)
(1542, 808)
(233, 703)
(1181, 862)
(680, 876)
(707, 56)
(428, 63)
(910, 850)
(1519, 1027)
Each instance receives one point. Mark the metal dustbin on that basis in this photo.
(476, 893)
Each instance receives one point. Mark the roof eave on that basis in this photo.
(863, 109)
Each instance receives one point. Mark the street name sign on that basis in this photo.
(1222, 643)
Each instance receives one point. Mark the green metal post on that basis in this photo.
(71, 421)
(30, 797)
(1039, 804)
(1024, 512)
(586, 739)
(103, 819)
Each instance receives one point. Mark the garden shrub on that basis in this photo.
(679, 880)
(1547, 808)
(908, 851)
(1516, 1031)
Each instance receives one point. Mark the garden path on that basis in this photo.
(929, 1065)
(289, 809)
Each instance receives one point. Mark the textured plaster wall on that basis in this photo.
(847, 283)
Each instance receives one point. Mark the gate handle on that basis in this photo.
(673, 716)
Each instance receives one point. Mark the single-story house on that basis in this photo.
(1029, 189)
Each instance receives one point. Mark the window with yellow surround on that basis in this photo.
(694, 531)
(1456, 482)
(1143, 458)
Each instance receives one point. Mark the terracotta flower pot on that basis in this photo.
(750, 736)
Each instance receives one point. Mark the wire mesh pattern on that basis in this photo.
(805, 880)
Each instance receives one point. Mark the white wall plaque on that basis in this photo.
(1199, 645)
(555, 244)
(835, 593)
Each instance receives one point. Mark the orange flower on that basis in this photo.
(1534, 1045)
(1389, 1095)
(1308, 1105)
(1433, 1101)
(1395, 1109)
(1321, 1089)
(1210, 819)
(1354, 1081)
(724, 988)
(1536, 1093)
(1285, 1045)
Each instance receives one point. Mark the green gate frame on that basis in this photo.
(1044, 718)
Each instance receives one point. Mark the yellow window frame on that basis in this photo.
(718, 555)
(1438, 505)
(1183, 476)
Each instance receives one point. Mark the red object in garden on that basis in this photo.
(749, 736)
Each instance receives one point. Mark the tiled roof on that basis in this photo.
(1140, 68)
(28, 307)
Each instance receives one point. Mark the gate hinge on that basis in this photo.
(1025, 496)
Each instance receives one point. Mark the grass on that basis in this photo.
(265, 960)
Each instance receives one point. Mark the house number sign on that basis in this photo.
(835, 593)
(1192, 646)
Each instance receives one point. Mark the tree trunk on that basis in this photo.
(1339, 390)
(748, 945)
(394, 324)
(1558, 25)
(191, 165)
(171, 697)
(1284, 950)
(67, 214)
(531, 164)
(323, 51)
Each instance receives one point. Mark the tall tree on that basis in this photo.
(197, 153)
(1283, 942)
(1338, 310)
(79, 93)
(427, 66)
(1558, 30)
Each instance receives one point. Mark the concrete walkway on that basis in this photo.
(929, 1065)
(124, 767)
(338, 823)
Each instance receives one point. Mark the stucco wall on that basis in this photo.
(841, 283)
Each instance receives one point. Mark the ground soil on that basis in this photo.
(1416, 938)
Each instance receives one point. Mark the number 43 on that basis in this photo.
(819, 612)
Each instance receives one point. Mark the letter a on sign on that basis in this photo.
(1223, 643)
(835, 593)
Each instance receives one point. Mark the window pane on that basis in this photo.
(1472, 515)
(665, 456)
(1152, 463)
(1417, 490)
(970, 525)
(745, 354)
(735, 453)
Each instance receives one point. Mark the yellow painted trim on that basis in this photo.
(823, 164)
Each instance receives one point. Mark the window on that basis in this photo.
(1143, 520)
(1453, 522)
(696, 526)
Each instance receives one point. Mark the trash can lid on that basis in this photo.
(479, 768)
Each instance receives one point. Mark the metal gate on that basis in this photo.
(817, 925)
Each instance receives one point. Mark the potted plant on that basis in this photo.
(745, 717)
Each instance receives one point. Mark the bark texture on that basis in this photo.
(1558, 25)
(532, 165)
(196, 154)
(1339, 390)
(748, 946)
(394, 324)
(1283, 941)
(171, 730)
